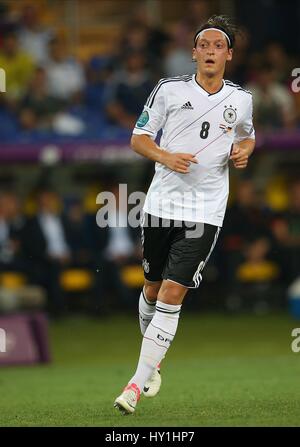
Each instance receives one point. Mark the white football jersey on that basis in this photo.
(205, 125)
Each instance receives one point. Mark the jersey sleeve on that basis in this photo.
(153, 117)
(244, 129)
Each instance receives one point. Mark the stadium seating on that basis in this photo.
(76, 280)
(132, 276)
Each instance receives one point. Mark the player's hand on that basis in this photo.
(239, 157)
(179, 162)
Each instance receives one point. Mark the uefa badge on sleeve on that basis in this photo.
(143, 119)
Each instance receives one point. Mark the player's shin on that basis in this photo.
(146, 311)
(157, 340)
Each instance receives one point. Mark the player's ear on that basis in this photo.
(229, 55)
(194, 55)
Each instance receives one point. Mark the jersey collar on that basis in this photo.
(206, 93)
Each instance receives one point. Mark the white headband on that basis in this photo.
(214, 29)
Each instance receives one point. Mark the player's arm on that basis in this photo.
(144, 145)
(244, 141)
(241, 152)
(152, 119)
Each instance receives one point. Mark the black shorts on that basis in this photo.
(176, 250)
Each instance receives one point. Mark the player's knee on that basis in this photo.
(171, 293)
(151, 291)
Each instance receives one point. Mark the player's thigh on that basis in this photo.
(155, 242)
(189, 254)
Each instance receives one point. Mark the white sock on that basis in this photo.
(146, 311)
(156, 341)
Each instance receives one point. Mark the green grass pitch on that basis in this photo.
(220, 371)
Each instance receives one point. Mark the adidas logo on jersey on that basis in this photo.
(187, 106)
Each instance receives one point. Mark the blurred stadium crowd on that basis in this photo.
(50, 92)
(60, 248)
(53, 95)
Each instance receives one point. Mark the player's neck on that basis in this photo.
(211, 85)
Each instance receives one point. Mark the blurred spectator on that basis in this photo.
(246, 221)
(18, 66)
(99, 72)
(247, 246)
(38, 108)
(273, 105)
(65, 75)
(12, 223)
(120, 245)
(129, 90)
(8, 23)
(11, 207)
(155, 37)
(256, 287)
(78, 234)
(247, 216)
(237, 70)
(122, 248)
(270, 19)
(33, 38)
(277, 57)
(197, 12)
(178, 59)
(86, 246)
(256, 266)
(50, 223)
(286, 229)
(135, 38)
(46, 249)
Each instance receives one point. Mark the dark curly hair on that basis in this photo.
(223, 23)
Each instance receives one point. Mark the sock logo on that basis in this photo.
(145, 319)
(166, 340)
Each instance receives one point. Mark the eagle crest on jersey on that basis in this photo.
(143, 119)
(230, 115)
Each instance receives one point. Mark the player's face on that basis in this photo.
(211, 53)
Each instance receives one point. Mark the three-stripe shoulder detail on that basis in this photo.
(237, 86)
(185, 78)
